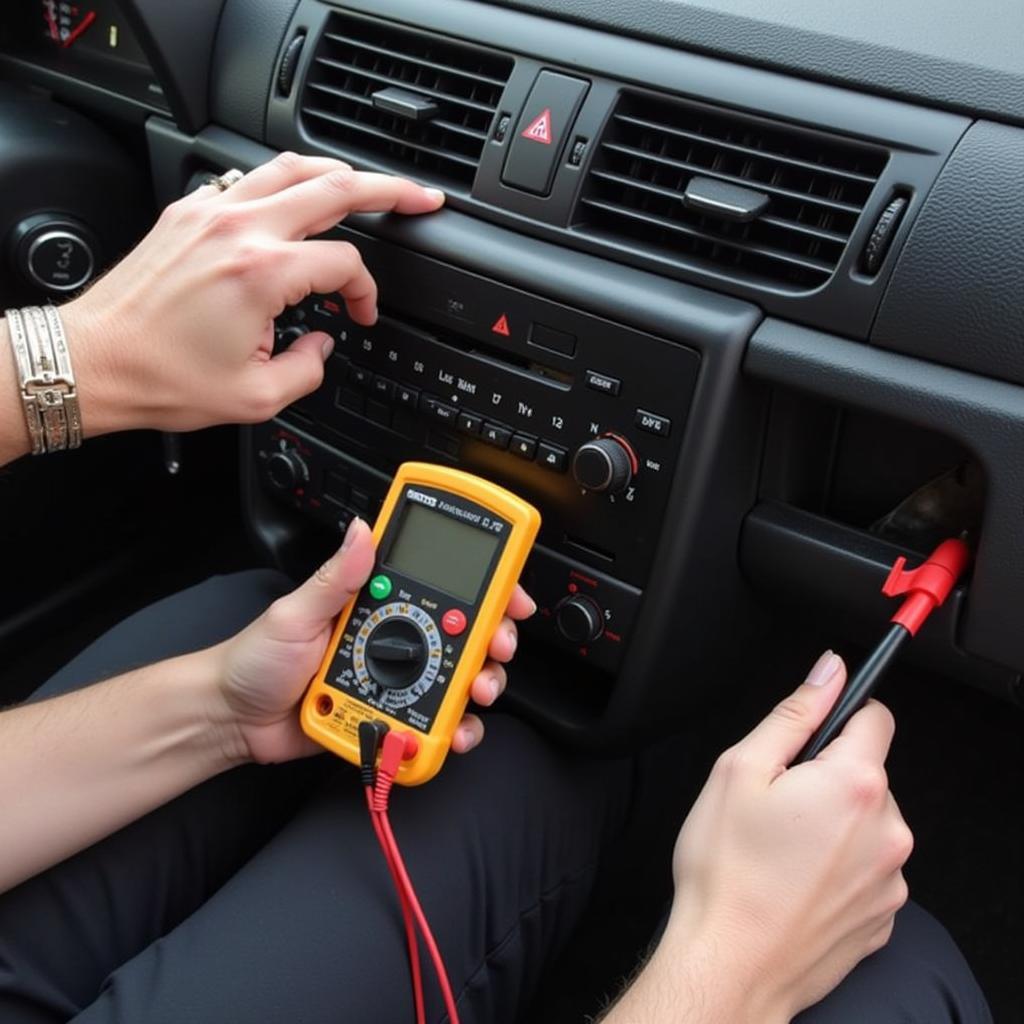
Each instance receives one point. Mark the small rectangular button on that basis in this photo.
(653, 423)
(552, 340)
(552, 457)
(495, 434)
(523, 445)
(602, 382)
(541, 131)
(407, 396)
(383, 388)
(469, 422)
(360, 376)
(335, 486)
(442, 412)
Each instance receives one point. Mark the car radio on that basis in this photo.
(581, 416)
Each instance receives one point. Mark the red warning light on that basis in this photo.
(501, 326)
(539, 129)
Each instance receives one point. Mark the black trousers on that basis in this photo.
(260, 895)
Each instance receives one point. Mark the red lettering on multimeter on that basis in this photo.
(445, 540)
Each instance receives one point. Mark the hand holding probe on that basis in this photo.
(926, 588)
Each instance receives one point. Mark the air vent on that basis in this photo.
(653, 147)
(447, 95)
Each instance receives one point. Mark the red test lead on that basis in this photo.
(926, 588)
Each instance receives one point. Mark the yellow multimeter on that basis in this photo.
(450, 548)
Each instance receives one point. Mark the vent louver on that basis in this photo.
(462, 84)
(816, 184)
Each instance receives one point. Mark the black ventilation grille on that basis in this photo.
(357, 57)
(817, 186)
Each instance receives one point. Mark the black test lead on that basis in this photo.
(926, 588)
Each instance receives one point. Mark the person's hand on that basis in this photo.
(265, 669)
(179, 334)
(785, 877)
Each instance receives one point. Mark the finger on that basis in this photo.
(324, 266)
(779, 738)
(290, 375)
(284, 171)
(520, 605)
(312, 206)
(503, 643)
(469, 734)
(319, 600)
(867, 736)
(489, 684)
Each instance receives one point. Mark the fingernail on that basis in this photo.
(493, 687)
(350, 534)
(824, 669)
(533, 607)
(328, 347)
(436, 194)
(513, 637)
(467, 741)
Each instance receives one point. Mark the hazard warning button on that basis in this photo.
(541, 133)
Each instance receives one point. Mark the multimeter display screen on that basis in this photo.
(442, 552)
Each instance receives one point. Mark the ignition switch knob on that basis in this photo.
(579, 619)
(396, 654)
(604, 464)
(286, 470)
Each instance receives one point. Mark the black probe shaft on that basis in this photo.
(856, 692)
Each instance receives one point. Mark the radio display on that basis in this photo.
(442, 552)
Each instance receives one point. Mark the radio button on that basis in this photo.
(551, 339)
(436, 408)
(524, 446)
(407, 396)
(348, 398)
(653, 423)
(378, 412)
(602, 382)
(383, 388)
(453, 622)
(360, 376)
(469, 423)
(496, 435)
(552, 457)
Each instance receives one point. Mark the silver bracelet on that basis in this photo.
(48, 393)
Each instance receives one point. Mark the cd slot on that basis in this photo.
(491, 355)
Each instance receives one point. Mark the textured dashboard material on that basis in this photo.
(244, 62)
(985, 416)
(957, 293)
(966, 58)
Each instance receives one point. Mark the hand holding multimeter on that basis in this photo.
(404, 652)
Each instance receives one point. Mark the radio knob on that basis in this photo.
(286, 470)
(395, 654)
(604, 464)
(285, 336)
(579, 619)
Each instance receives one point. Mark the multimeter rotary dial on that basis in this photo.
(397, 653)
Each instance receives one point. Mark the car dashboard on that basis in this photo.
(741, 319)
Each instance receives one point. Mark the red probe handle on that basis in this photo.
(928, 585)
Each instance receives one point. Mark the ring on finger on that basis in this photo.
(222, 182)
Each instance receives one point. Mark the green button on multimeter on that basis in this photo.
(380, 587)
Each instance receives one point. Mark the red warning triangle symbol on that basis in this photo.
(501, 326)
(540, 128)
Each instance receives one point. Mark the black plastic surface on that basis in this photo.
(178, 40)
(938, 52)
(245, 61)
(919, 139)
(957, 293)
(985, 416)
(833, 574)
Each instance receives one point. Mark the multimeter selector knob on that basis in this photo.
(396, 654)
(286, 470)
(604, 464)
(579, 619)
